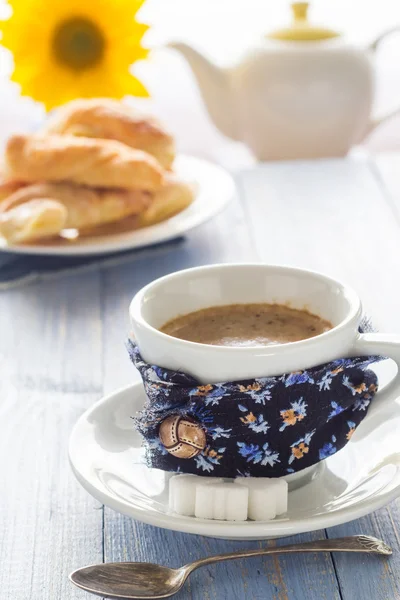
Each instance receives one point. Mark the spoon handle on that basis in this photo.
(357, 543)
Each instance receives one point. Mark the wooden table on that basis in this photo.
(62, 348)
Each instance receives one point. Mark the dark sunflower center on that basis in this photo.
(78, 43)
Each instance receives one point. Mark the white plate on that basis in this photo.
(214, 189)
(105, 451)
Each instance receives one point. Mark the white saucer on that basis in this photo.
(215, 188)
(104, 452)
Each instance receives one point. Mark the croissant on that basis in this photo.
(99, 163)
(37, 211)
(172, 198)
(7, 188)
(110, 119)
(33, 220)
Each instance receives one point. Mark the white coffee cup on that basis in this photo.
(201, 287)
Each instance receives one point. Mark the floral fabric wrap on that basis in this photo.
(264, 427)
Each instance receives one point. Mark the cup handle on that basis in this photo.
(375, 122)
(369, 344)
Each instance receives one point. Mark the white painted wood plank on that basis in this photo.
(50, 362)
(279, 578)
(387, 170)
(377, 579)
(331, 216)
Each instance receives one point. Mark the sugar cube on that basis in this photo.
(182, 492)
(267, 497)
(223, 501)
(236, 504)
(204, 506)
(218, 500)
(280, 488)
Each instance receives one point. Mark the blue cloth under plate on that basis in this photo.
(20, 269)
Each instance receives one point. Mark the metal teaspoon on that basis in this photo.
(134, 581)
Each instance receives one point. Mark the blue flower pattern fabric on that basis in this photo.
(266, 427)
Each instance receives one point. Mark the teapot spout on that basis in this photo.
(214, 87)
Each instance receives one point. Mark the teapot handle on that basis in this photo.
(374, 123)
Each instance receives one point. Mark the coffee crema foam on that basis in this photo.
(246, 325)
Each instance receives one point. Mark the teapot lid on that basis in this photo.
(301, 30)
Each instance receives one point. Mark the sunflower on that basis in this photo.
(66, 49)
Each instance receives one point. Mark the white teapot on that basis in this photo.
(302, 92)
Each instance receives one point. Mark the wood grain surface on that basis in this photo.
(62, 348)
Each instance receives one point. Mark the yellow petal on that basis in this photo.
(133, 87)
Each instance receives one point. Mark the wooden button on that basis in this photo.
(182, 437)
